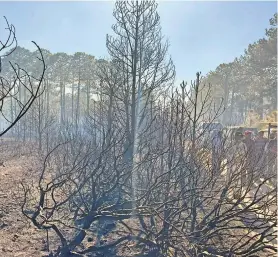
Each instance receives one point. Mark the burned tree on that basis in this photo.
(138, 51)
(15, 82)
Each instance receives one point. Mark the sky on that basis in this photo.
(202, 35)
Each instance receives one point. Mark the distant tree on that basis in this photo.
(250, 81)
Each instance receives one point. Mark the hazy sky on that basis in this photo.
(202, 34)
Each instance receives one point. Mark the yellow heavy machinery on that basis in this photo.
(254, 124)
(270, 123)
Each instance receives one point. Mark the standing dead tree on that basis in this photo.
(140, 56)
(10, 89)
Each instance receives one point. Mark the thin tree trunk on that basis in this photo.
(192, 166)
(47, 113)
(72, 101)
(24, 118)
(77, 104)
(226, 97)
(19, 123)
(88, 96)
(110, 108)
(61, 103)
(232, 106)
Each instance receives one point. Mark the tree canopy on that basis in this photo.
(250, 81)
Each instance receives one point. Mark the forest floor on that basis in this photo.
(17, 236)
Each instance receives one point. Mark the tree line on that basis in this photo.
(250, 81)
